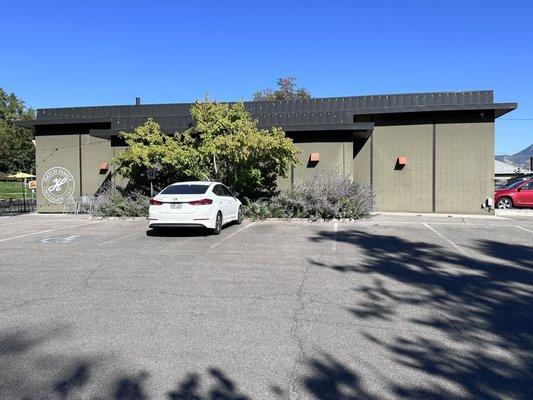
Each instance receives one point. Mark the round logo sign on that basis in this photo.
(57, 185)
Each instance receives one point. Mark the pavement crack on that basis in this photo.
(293, 394)
(28, 302)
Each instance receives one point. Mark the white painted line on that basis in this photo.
(233, 234)
(524, 229)
(44, 220)
(120, 238)
(445, 238)
(45, 231)
(335, 236)
(13, 223)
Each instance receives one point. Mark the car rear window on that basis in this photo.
(514, 185)
(185, 189)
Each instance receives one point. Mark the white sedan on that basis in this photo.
(195, 204)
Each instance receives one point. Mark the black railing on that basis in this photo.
(17, 206)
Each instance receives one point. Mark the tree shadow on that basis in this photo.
(31, 367)
(481, 309)
(30, 371)
(329, 379)
(221, 387)
(483, 349)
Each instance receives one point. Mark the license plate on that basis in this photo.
(175, 205)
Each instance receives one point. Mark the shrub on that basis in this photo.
(113, 201)
(324, 196)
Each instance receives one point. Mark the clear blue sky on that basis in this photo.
(107, 52)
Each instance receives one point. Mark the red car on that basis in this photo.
(518, 194)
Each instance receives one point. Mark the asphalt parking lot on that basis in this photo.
(399, 307)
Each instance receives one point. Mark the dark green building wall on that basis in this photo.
(362, 159)
(56, 151)
(464, 166)
(407, 188)
(80, 154)
(449, 170)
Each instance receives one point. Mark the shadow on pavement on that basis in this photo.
(483, 349)
(185, 232)
(32, 370)
(178, 232)
(482, 309)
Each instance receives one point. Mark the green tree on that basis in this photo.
(224, 144)
(175, 156)
(287, 90)
(17, 151)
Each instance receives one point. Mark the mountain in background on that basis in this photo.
(520, 159)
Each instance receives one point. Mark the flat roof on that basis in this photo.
(317, 114)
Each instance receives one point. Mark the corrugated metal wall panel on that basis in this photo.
(272, 113)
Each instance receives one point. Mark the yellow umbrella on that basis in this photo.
(19, 176)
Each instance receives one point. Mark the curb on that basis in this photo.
(435, 215)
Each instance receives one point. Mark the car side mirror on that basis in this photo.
(236, 194)
(519, 189)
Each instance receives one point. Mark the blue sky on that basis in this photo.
(107, 52)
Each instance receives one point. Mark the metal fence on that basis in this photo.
(17, 206)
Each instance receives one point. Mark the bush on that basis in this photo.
(113, 201)
(324, 196)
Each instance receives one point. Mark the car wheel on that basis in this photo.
(218, 224)
(504, 203)
(240, 216)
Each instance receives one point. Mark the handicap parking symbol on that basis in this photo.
(59, 239)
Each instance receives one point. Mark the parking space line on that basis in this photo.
(26, 221)
(233, 234)
(445, 238)
(120, 237)
(524, 229)
(46, 231)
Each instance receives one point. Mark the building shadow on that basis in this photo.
(482, 309)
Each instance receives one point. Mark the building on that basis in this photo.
(504, 171)
(423, 152)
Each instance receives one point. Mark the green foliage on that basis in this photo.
(324, 196)
(112, 201)
(175, 155)
(13, 190)
(224, 145)
(286, 91)
(17, 152)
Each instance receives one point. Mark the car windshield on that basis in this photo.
(185, 189)
(514, 185)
